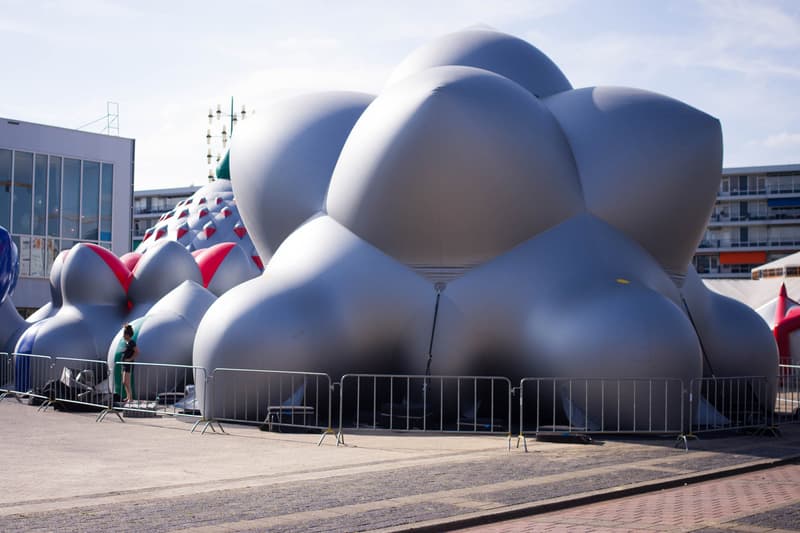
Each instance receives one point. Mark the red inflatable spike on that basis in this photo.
(211, 258)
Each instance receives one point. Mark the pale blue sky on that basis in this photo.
(166, 63)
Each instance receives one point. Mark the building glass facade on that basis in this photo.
(49, 203)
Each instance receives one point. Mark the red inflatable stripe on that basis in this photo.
(114, 263)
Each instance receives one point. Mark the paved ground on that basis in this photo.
(65, 472)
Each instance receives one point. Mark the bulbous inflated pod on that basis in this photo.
(638, 155)
(281, 162)
(452, 167)
(549, 307)
(163, 267)
(164, 336)
(327, 302)
(735, 340)
(490, 50)
(92, 275)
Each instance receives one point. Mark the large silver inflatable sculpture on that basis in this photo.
(478, 217)
(481, 217)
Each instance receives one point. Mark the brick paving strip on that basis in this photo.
(767, 500)
(445, 488)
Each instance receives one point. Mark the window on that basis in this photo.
(90, 200)
(106, 201)
(38, 257)
(54, 198)
(725, 186)
(51, 251)
(5, 188)
(40, 195)
(71, 198)
(24, 255)
(22, 193)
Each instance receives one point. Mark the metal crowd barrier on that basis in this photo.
(787, 401)
(410, 403)
(82, 382)
(730, 403)
(26, 375)
(419, 403)
(275, 399)
(6, 374)
(585, 406)
(157, 389)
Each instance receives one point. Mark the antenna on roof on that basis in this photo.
(111, 117)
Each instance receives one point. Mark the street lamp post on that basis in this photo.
(224, 135)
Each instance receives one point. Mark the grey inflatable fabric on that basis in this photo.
(165, 334)
(412, 177)
(641, 156)
(552, 225)
(736, 341)
(288, 160)
(490, 50)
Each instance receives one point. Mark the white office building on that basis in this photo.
(59, 187)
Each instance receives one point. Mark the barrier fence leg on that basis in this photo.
(105, 413)
(47, 403)
(683, 440)
(208, 424)
(51, 396)
(340, 438)
(327, 432)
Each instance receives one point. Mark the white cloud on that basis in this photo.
(313, 43)
(738, 23)
(9, 25)
(782, 140)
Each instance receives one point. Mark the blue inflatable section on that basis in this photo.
(9, 264)
(22, 364)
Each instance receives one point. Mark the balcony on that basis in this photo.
(754, 220)
(716, 274)
(722, 245)
(760, 192)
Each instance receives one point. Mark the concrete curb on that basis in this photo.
(557, 504)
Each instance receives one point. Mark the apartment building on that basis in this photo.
(149, 205)
(756, 219)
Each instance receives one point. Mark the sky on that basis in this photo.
(166, 63)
